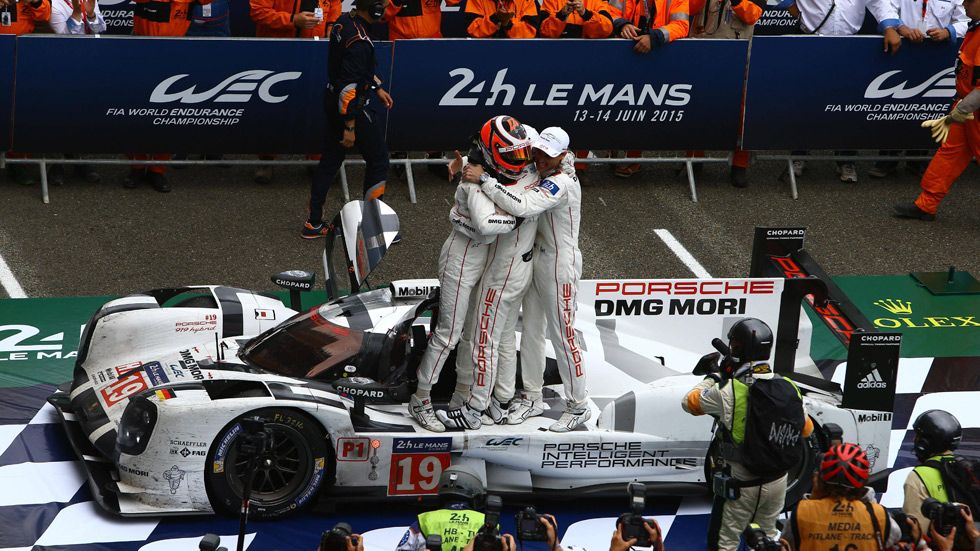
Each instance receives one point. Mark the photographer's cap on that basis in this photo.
(552, 140)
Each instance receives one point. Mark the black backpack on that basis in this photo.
(774, 423)
(961, 477)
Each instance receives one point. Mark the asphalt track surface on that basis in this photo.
(218, 226)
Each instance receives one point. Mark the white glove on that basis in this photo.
(940, 127)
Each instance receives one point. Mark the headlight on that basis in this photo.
(136, 425)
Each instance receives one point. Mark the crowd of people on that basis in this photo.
(840, 513)
(649, 25)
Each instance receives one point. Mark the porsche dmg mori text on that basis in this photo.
(672, 307)
(685, 287)
(609, 455)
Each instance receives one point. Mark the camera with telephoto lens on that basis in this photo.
(211, 542)
(530, 525)
(335, 539)
(944, 516)
(757, 540)
(632, 522)
(488, 538)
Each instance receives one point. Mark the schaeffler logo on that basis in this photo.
(939, 85)
(237, 88)
(895, 306)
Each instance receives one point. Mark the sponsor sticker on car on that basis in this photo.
(417, 464)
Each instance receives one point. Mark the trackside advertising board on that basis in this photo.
(807, 92)
(7, 48)
(651, 328)
(172, 95)
(605, 95)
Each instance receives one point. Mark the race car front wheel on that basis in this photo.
(290, 461)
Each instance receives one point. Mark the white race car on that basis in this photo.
(179, 394)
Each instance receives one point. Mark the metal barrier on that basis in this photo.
(791, 176)
(409, 175)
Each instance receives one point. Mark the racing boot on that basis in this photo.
(424, 415)
(911, 210)
(461, 418)
(575, 415)
(523, 409)
(497, 412)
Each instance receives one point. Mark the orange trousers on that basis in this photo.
(961, 147)
(159, 169)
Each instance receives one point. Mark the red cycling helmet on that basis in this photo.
(845, 465)
(505, 146)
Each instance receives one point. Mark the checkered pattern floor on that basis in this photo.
(45, 503)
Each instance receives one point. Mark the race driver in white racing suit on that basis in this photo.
(505, 280)
(462, 261)
(556, 199)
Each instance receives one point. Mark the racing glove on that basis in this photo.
(940, 127)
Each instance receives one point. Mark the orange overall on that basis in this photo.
(963, 143)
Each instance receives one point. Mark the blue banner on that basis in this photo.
(844, 93)
(171, 95)
(600, 91)
(7, 51)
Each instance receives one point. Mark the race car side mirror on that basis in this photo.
(295, 281)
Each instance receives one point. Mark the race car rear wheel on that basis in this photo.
(289, 470)
(800, 479)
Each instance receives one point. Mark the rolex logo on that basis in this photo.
(895, 306)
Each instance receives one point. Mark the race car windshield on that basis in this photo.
(307, 346)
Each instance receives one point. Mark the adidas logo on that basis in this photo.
(895, 306)
(872, 380)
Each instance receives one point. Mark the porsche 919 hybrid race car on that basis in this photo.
(178, 394)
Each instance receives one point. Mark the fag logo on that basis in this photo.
(939, 85)
(237, 88)
(872, 380)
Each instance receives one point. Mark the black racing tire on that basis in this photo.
(297, 461)
(798, 480)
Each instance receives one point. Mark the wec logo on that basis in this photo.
(237, 88)
(939, 85)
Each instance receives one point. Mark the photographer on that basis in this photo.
(749, 404)
(461, 493)
(341, 538)
(940, 478)
(838, 511)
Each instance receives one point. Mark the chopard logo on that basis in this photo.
(939, 85)
(237, 88)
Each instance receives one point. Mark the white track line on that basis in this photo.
(686, 257)
(9, 282)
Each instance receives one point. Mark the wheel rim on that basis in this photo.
(281, 470)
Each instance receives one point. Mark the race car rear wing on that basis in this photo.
(872, 359)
